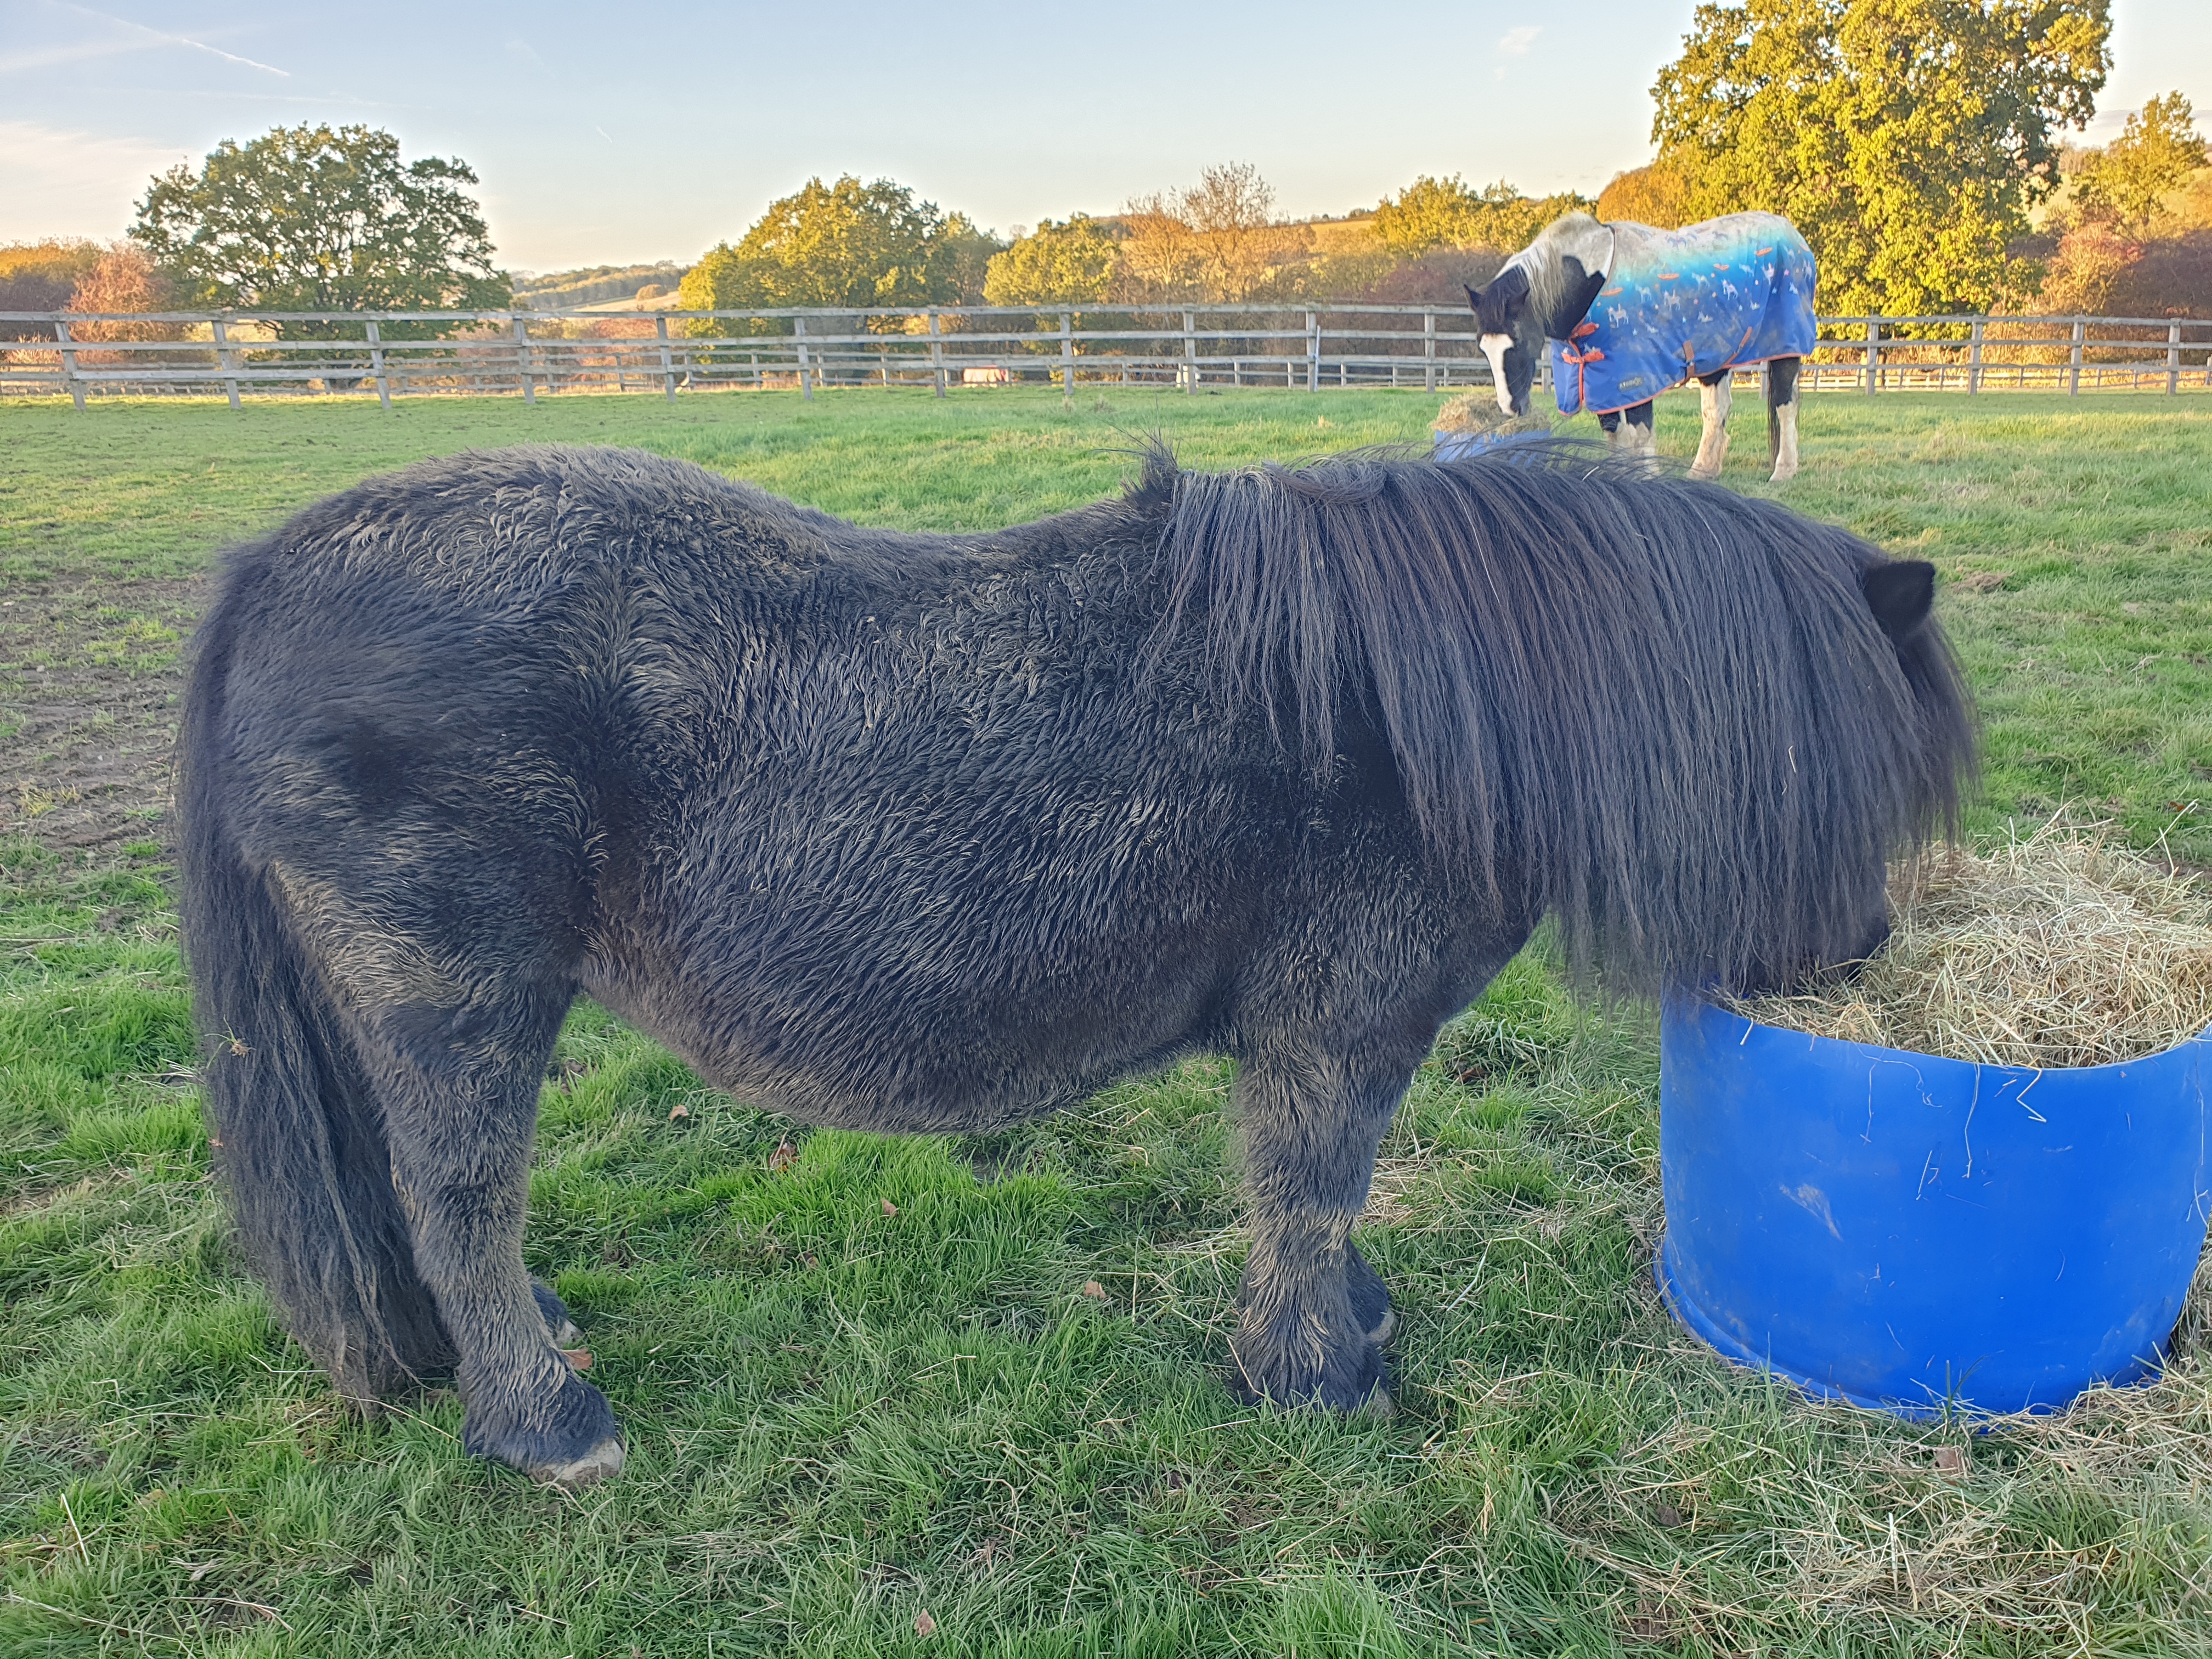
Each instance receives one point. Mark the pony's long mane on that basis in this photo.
(1672, 704)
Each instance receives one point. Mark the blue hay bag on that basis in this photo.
(1911, 1234)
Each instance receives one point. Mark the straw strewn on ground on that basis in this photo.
(2061, 947)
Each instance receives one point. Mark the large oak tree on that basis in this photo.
(317, 218)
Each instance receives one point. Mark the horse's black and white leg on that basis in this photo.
(1609, 424)
(1637, 435)
(1782, 416)
(1713, 399)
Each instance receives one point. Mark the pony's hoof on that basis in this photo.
(1782, 475)
(1704, 474)
(603, 1462)
(1378, 1407)
(563, 1438)
(1383, 1332)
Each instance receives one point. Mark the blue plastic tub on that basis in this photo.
(1911, 1233)
(1459, 445)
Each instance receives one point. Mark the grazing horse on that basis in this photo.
(1630, 311)
(928, 833)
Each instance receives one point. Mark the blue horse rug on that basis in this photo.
(1680, 303)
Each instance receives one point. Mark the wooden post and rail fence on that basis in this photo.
(1189, 347)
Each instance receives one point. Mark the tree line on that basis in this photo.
(1917, 144)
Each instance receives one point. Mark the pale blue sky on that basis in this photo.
(614, 133)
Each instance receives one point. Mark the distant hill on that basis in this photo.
(562, 290)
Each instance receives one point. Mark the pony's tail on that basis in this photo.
(299, 1135)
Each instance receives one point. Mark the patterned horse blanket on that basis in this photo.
(1680, 303)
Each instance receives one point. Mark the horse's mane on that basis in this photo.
(1672, 704)
(1550, 288)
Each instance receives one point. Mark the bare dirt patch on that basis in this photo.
(91, 678)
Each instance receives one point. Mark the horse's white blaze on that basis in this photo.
(1712, 447)
(1785, 456)
(1494, 347)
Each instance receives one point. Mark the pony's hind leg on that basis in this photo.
(452, 984)
(1782, 416)
(459, 1085)
(1713, 400)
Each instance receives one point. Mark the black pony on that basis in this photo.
(927, 833)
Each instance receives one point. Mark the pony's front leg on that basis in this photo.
(1713, 399)
(1311, 1314)
(459, 1091)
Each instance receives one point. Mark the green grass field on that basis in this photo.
(854, 1432)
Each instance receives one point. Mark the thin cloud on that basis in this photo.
(143, 38)
(1515, 42)
(65, 183)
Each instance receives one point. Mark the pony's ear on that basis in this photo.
(1899, 593)
(1473, 298)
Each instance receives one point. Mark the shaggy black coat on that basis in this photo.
(931, 832)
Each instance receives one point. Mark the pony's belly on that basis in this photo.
(930, 1058)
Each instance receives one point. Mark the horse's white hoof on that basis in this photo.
(1381, 1334)
(1378, 1407)
(1782, 475)
(603, 1462)
(1704, 474)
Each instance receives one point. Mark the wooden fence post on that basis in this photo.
(1067, 357)
(376, 365)
(667, 368)
(1313, 351)
(1974, 362)
(2173, 358)
(1873, 348)
(69, 366)
(1429, 351)
(936, 351)
(805, 384)
(225, 359)
(2073, 359)
(1190, 351)
(522, 361)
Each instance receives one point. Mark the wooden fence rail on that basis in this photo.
(1323, 344)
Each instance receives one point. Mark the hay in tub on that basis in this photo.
(2064, 947)
(1478, 411)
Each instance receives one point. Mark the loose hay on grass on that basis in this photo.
(2063, 947)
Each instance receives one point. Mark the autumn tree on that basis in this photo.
(2125, 181)
(1433, 213)
(41, 277)
(125, 279)
(1216, 240)
(1905, 138)
(1655, 194)
(1065, 263)
(321, 219)
(849, 245)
